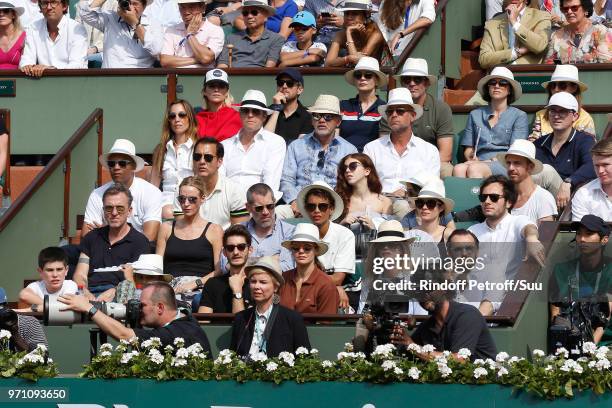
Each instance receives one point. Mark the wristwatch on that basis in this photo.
(199, 284)
(567, 180)
(238, 296)
(401, 34)
(34, 308)
(92, 312)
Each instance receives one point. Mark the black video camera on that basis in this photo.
(386, 315)
(124, 4)
(8, 318)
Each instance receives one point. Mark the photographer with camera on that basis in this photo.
(580, 289)
(158, 311)
(131, 39)
(26, 331)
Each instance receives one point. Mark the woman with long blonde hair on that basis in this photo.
(12, 36)
(172, 156)
(216, 118)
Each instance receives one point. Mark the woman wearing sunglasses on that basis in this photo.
(492, 129)
(564, 79)
(360, 117)
(361, 191)
(216, 118)
(307, 289)
(581, 40)
(12, 36)
(360, 37)
(431, 204)
(172, 156)
(191, 245)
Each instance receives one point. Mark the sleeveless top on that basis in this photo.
(11, 58)
(188, 257)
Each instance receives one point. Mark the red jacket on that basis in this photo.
(221, 125)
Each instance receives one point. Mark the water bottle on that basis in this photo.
(80, 290)
(138, 291)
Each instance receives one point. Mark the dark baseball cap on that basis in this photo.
(593, 223)
(292, 73)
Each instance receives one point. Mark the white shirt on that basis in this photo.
(227, 199)
(40, 289)
(69, 50)
(146, 204)
(31, 12)
(340, 255)
(166, 12)
(261, 163)
(391, 167)
(540, 204)
(121, 49)
(177, 165)
(591, 199)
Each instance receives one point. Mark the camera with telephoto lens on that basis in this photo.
(55, 315)
(124, 4)
(8, 318)
(386, 315)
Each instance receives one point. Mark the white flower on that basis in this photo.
(444, 370)
(501, 357)
(259, 357)
(225, 353)
(327, 364)
(582, 360)
(271, 366)
(571, 365)
(178, 362)
(195, 349)
(464, 353)
(414, 348)
(492, 364)
(126, 357)
(152, 342)
(182, 353)
(592, 364)
(589, 348)
(168, 349)
(106, 347)
(125, 342)
(287, 357)
(105, 353)
(602, 364)
(441, 360)
(398, 371)
(515, 359)
(562, 350)
(179, 342)
(388, 365)
(479, 372)
(383, 350)
(548, 368)
(156, 357)
(348, 347)
(502, 371)
(314, 351)
(428, 348)
(479, 361)
(538, 353)
(301, 350)
(601, 353)
(414, 373)
(5, 334)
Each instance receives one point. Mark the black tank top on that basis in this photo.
(191, 257)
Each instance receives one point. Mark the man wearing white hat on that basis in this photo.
(148, 268)
(566, 152)
(532, 200)
(518, 36)
(122, 164)
(315, 156)
(401, 153)
(193, 43)
(256, 46)
(132, 39)
(436, 124)
(254, 154)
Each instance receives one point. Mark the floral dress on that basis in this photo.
(595, 45)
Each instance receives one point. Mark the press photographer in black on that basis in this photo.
(451, 325)
(159, 312)
(26, 331)
(580, 289)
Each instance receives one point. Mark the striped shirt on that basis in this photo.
(357, 127)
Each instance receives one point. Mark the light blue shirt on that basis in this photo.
(301, 169)
(512, 125)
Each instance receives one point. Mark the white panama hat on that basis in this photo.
(434, 189)
(368, 64)
(523, 148)
(501, 73)
(254, 99)
(125, 147)
(320, 185)
(417, 67)
(401, 96)
(151, 265)
(305, 232)
(566, 73)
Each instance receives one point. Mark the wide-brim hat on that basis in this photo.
(356, 5)
(125, 147)
(401, 96)
(320, 185)
(391, 231)
(566, 73)
(368, 64)
(416, 67)
(7, 5)
(259, 4)
(254, 99)
(434, 189)
(151, 265)
(523, 148)
(419, 179)
(326, 104)
(267, 264)
(501, 73)
(305, 232)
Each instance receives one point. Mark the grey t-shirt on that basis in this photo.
(248, 53)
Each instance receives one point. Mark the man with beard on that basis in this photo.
(451, 325)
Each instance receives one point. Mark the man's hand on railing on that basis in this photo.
(35, 70)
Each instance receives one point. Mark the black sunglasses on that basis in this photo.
(416, 79)
(251, 111)
(574, 9)
(310, 207)
(500, 82)
(303, 247)
(253, 12)
(326, 116)
(183, 199)
(122, 163)
(240, 247)
(399, 111)
(562, 85)
(207, 157)
(289, 82)
(260, 208)
(493, 197)
(353, 166)
(430, 203)
(362, 74)
(321, 161)
(173, 115)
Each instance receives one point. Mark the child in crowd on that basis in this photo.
(303, 52)
(52, 267)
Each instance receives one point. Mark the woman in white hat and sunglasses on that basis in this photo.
(12, 36)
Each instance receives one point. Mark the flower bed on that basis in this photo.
(30, 366)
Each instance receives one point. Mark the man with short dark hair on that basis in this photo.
(290, 119)
(158, 311)
(224, 203)
(230, 293)
(111, 246)
(594, 197)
